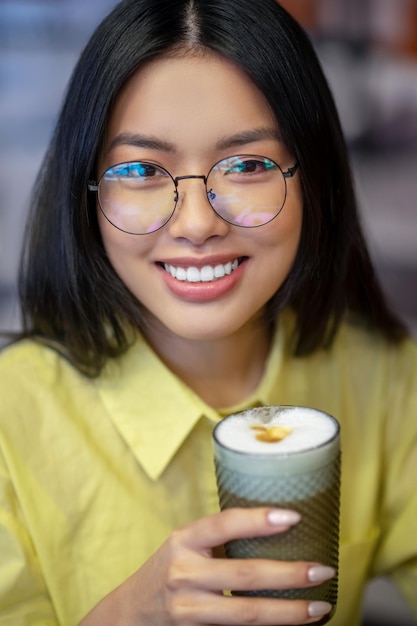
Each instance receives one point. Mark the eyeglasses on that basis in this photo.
(139, 197)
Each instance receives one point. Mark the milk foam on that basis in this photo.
(309, 429)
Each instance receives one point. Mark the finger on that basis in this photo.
(217, 529)
(239, 611)
(255, 574)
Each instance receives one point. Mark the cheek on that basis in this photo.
(284, 232)
(121, 247)
(112, 240)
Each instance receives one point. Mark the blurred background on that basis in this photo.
(369, 53)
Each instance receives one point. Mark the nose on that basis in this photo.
(194, 219)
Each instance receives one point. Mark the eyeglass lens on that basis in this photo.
(140, 197)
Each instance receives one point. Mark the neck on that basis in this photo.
(223, 372)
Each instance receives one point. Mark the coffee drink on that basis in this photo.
(286, 457)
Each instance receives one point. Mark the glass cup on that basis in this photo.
(286, 457)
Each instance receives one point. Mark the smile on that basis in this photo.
(206, 274)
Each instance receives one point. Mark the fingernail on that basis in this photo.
(283, 517)
(318, 573)
(317, 609)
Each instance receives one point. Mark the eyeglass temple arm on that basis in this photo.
(92, 185)
(289, 173)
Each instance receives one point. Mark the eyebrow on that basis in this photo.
(234, 141)
(248, 136)
(141, 141)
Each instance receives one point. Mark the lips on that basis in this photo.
(202, 280)
(205, 274)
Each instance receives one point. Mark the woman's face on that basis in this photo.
(185, 114)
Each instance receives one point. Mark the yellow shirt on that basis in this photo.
(94, 474)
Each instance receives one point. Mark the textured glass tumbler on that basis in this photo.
(306, 480)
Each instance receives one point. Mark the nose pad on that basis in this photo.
(195, 195)
(194, 217)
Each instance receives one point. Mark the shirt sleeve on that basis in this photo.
(24, 599)
(397, 551)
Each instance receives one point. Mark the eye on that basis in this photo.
(135, 170)
(249, 166)
(135, 176)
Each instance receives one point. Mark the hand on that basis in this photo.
(182, 584)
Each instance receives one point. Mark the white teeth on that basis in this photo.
(207, 274)
(193, 275)
(219, 271)
(204, 275)
(179, 273)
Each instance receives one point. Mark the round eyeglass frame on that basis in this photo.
(94, 186)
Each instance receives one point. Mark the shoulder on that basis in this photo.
(25, 359)
(387, 367)
(381, 374)
(363, 374)
(357, 343)
(34, 376)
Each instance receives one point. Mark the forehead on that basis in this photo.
(190, 102)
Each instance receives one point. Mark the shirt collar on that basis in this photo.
(150, 407)
(154, 411)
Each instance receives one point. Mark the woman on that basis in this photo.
(194, 249)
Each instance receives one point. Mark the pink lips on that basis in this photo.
(201, 291)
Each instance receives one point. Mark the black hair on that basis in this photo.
(70, 294)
